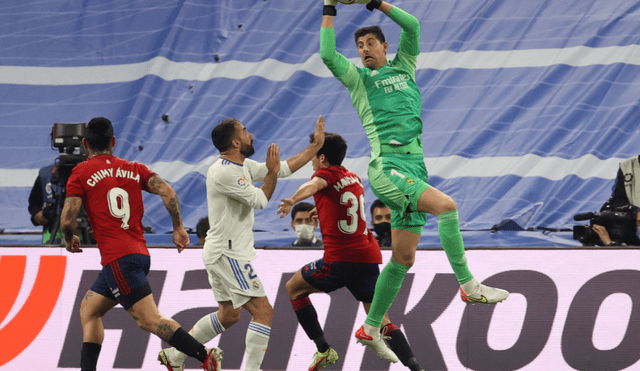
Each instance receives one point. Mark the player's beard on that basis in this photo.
(247, 150)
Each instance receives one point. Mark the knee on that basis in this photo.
(87, 313)
(405, 259)
(289, 287)
(449, 204)
(293, 291)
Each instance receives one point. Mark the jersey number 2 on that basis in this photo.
(357, 205)
(119, 205)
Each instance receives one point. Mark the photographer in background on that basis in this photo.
(618, 222)
(626, 190)
(42, 203)
(626, 194)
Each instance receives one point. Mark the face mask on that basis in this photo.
(382, 229)
(304, 231)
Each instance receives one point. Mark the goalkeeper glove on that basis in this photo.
(374, 4)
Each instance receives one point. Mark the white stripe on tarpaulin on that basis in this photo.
(446, 167)
(274, 70)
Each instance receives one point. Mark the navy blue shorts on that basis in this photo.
(359, 278)
(124, 280)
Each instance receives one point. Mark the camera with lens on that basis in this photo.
(66, 138)
(619, 222)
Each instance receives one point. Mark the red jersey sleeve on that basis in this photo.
(74, 187)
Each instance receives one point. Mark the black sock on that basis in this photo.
(89, 356)
(185, 343)
(398, 343)
(321, 344)
(308, 319)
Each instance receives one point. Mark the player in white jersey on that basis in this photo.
(228, 248)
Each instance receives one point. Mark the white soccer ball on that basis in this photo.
(349, 2)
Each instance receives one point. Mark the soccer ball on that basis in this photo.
(349, 2)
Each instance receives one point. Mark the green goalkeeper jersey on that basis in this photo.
(387, 99)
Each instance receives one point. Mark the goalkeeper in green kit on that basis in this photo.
(389, 104)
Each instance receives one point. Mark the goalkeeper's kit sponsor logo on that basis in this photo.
(394, 83)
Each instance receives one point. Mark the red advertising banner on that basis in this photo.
(568, 310)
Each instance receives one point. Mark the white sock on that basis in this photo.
(470, 286)
(256, 341)
(204, 330)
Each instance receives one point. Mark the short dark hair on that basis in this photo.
(223, 133)
(334, 148)
(99, 133)
(300, 206)
(375, 30)
(376, 204)
(202, 227)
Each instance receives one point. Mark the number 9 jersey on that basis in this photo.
(342, 216)
(111, 192)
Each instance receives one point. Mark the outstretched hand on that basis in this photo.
(318, 136)
(285, 207)
(273, 158)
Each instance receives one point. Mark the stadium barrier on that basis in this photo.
(569, 309)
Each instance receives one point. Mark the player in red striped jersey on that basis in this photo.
(351, 252)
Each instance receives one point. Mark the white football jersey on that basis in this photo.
(231, 198)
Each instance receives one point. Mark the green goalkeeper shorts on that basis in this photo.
(398, 181)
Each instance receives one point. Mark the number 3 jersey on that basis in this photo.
(342, 216)
(111, 192)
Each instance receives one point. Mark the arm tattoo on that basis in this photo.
(164, 332)
(173, 207)
(158, 186)
(155, 184)
(69, 214)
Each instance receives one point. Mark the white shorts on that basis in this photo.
(234, 280)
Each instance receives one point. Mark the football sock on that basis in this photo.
(398, 343)
(451, 240)
(185, 343)
(308, 319)
(203, 331)
(89, 356)
(387, 287)
(256, 342)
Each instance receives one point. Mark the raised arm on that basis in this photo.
(299, 160)
(337, 63)
(305, 191)
(273, 166)
(158, 186)
(409, 44)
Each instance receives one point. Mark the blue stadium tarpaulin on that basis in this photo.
(529, 106)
